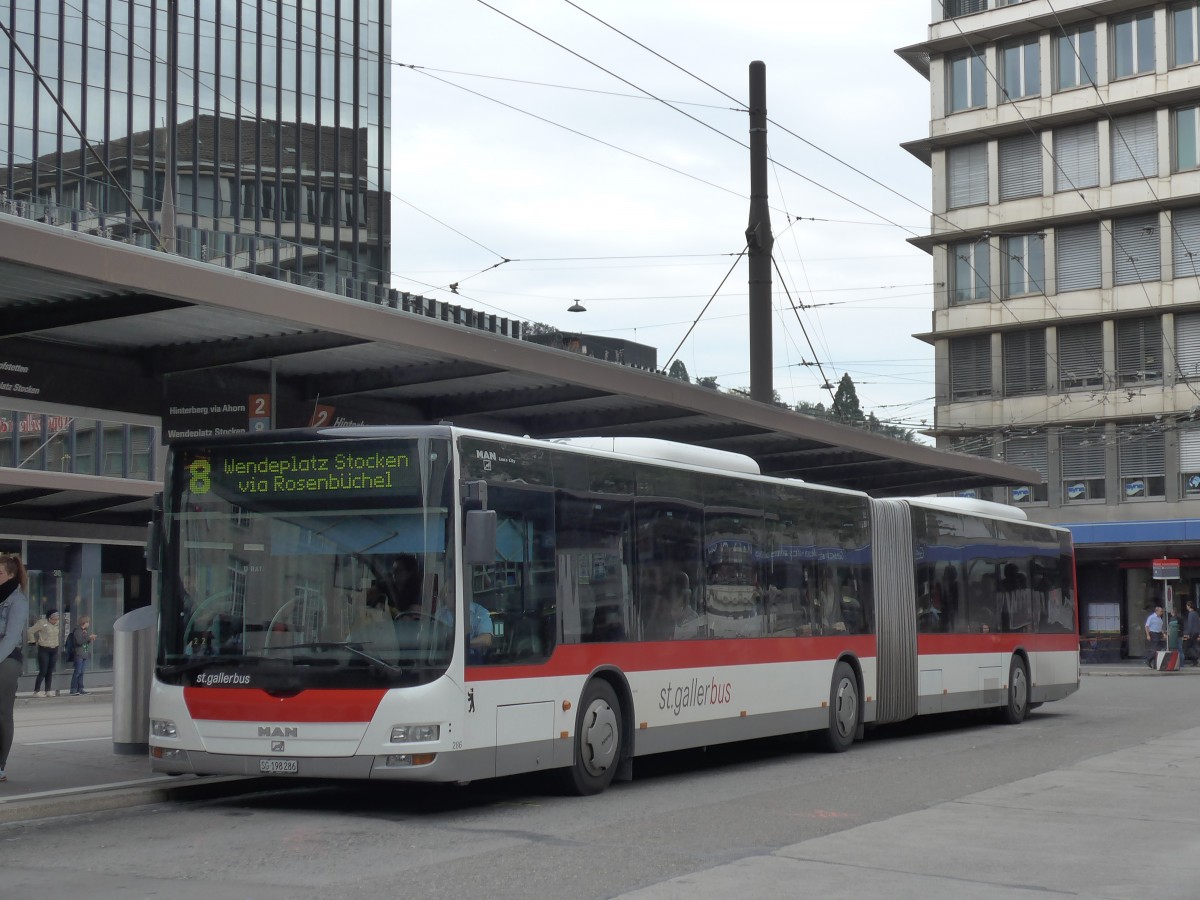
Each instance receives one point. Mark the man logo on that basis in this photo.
(274, 731)
(276, 746)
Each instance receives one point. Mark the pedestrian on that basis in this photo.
(79, 651)
(45, 634)
(14, 613)
(1154, 635)
(1191, 633)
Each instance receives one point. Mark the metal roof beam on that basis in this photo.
(349, 384)
(177, 359)
(34, 319)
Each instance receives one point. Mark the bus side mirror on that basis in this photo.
(154, 535)
(479, 542)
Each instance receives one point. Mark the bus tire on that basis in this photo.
(598, 741)
(845, 710)
(1014, 711)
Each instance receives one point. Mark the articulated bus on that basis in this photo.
(439, 604)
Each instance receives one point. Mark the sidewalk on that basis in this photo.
(62, 759)
(62, 762)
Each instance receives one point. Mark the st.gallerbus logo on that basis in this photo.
(680, 697)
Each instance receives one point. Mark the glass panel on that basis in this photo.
(1185, 139)
(1183, 23)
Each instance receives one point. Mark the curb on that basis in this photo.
(100, 798)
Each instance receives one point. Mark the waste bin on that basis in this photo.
(133, 671)
(1173, 635)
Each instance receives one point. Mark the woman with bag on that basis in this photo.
(14, 613)
(79, 650)
(45, 633)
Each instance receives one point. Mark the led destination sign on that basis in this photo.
(293, 472)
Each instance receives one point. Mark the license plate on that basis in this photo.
(278, 766)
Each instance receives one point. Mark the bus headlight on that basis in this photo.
(163, 728)
(407, 760)
(414, 734)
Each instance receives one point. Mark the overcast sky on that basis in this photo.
(524, 130)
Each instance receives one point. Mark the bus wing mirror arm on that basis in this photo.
(479, 542)
(473, 494)
(154, 535)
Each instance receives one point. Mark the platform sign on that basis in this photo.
(1165, 569)
(322, 416)
(259, 408)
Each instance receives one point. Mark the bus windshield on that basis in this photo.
(292, 566)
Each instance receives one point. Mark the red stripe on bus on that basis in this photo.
(995, 642)
(581, 659)
(251, 705)
(650, 656)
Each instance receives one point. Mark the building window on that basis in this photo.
(1185, 39)
(1024, 362)
(1141, 454)
(1080, 356)
(1077, 258)
(1021, 70)
(1029, 451)
(1184, 147)
(966, 169)
(955, 8)
(1075, 55)
(1134, 146)
(1189, 462)
(966, 87)
(969, 274)
(1187, 346)
(1076, 157)
(1020, 167)
(1185, 243)
(1082, 454)
(970, 367)
(1132, 44)
(1139, 350)
(1024, 264)
(1136, 256)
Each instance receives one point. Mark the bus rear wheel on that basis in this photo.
(598, 741)
(844, 710)
(1013, 712)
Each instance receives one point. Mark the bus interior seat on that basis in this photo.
(524, 639)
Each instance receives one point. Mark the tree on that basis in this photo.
(708, 381)
(679, 371)
(846, 408)
(529, 329)
(817, 410)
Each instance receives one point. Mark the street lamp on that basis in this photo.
(576, 307)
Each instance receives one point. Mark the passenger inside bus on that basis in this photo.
(688, 622)
(670, 608)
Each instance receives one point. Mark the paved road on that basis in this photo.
(1083, 801)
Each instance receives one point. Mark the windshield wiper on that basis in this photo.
(375, 661)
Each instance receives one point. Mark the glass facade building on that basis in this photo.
(250, 134)
(272, 158)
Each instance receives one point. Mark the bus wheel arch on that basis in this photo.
(845, 707)
(602, 736)
(1017, 704)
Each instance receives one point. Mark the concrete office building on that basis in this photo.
(1064, 145)
(273, 159)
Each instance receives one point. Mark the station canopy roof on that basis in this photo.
(108, 326)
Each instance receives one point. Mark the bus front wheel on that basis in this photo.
(844, 710)
(598, 741)
(1013, 712)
